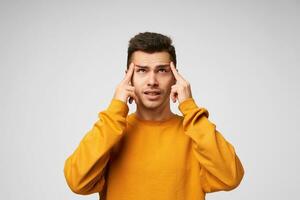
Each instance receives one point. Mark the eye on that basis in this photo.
(163, 70)
(140, 70)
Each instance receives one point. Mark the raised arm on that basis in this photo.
(84, 169)
(221, 169)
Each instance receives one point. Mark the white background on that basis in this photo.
(60, 62)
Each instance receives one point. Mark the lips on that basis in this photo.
(152, 95)
(152, 92)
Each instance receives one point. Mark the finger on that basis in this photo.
(175, 72)
(129, 73)
(131, 92)
(130, 88)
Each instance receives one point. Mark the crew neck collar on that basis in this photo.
(154, 122)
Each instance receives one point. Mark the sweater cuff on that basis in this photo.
(189, 105)
(118, 107)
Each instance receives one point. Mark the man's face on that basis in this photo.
(152, 73)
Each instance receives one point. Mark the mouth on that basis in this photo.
(152, 94)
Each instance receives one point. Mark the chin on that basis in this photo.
(151, 104)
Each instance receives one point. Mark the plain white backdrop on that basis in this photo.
(60, 62)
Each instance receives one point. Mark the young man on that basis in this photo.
(153, 153)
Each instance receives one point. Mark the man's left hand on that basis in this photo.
(182, 89)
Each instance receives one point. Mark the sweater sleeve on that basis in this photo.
(84, 168)
(221, 169)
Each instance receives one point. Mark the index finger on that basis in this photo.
(129, 73)
(174, 70)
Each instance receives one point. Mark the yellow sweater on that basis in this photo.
(123, 157)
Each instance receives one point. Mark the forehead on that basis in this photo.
(150, 59)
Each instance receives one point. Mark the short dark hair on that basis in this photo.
(150, 42)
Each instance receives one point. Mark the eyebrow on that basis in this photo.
(158, 66)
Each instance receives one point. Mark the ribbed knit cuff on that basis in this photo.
(189, 105)
(118, 107)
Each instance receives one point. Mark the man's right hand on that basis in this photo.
(125, 89)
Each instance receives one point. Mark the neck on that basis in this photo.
(158, 114)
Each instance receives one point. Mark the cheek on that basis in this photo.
(168, 76)
(138, 79)
(137, 83)
(170, 80)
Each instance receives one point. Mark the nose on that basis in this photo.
(152, 80)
